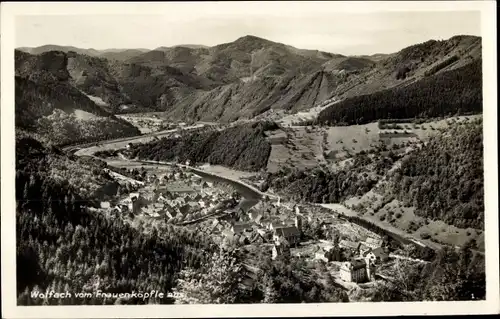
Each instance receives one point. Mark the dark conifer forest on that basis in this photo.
(242, 147)
(444, 179)
(61, 244)
(454, 92)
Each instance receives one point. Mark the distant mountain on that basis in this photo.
(229, 62)
(410, 65)
(250, 76)
(192, 46)
(49, 107)
(121, 54)
(113, 54)
(50, 47)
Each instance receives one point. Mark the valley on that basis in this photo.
(320, 176)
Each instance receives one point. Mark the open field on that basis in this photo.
(306, 146)
(146, 124)
(394, 215)
(295, 147)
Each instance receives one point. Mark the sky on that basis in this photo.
(307, 27)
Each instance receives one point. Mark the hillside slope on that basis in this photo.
(252, 76)
(112, 54)
(411, 64)
(397, 186)
(458, 91)
(242, 147)
(52, 109)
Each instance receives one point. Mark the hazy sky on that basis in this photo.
(338, 32)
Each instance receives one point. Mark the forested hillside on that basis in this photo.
(82, 175)
(242, 147)
(252, 76)
(457, 91)
(323, 185)
(451, 162)
(451, 276)
(445, 179)
(52, 109)
(64, 246)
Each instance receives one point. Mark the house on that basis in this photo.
(151, 178)
(228, 233)
(254, 215)
(216, 226)
(202, 203)
(158, 207)
(349, 245)
(155, 215)
(160, 198)
(321, 255)
(171, 203)
(184, 209)
(378, 255)
(196, 197)
(133, 196)
(363, 249)
(353, 271)
(358, 270)
(171, 213)
(105, 204)
(297, 209)
(204, 185)
(298, 222)
(262, 232)
(290, 233)
(258, 219)
(180, 201)
(280, 248)
(373, 242)
(243, 239)
(241, 227)
(194, 206)
(273, 225)
(196, 179)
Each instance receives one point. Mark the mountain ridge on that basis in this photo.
(251, 76)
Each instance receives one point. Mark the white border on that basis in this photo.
(11, 310)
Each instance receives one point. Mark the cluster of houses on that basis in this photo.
(181, 196)
(258, 226)
(175, 196)
(362, 266)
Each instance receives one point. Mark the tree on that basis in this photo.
(270, 293)
(217, 283)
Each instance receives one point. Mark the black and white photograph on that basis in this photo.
(270, 156)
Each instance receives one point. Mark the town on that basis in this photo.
(180, 197)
